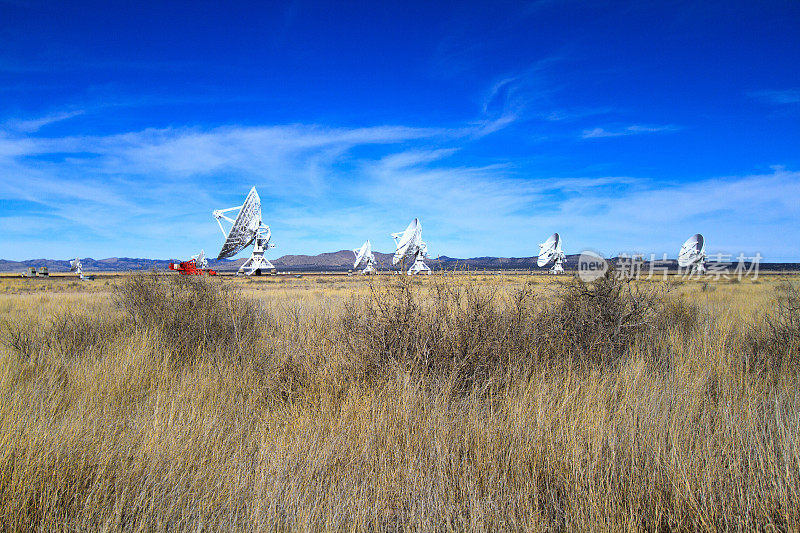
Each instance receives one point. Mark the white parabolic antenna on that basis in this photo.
(550, 251)
(76, 266)
(411, 247)
(245, 229)
(200, 260)
(693, 254)
(365, 258)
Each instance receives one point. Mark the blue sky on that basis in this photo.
(624, 126)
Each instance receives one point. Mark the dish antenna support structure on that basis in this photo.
(693, 254)
(411, 246)
(550, 251)
(365, 258)
(247, 228)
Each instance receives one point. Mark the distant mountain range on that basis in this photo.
(112, 264)
(331, 261)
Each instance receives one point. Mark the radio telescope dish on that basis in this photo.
(693, 254)
(411, 246)
(365, 258)
(247, 228)
(244, 227)
(550, 251)
(200, 260)
(76, 266)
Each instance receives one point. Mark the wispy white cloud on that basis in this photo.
(635, 129)
(151, 192)
(498, 95)
(735, 213)
(123, 187)
(33, 125)
(582, 184)
(263, 152)
(559, 115)
(778, 97)
(524, 94)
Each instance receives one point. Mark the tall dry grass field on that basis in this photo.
(491, 403)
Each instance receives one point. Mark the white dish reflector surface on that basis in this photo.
(245, 226)
(549, 249)
(692, 251)
(363, 254)
(409, 242)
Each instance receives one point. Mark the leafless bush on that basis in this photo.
(384, 329)
(191, 315)
(476, 335)
(454, 334)
(598, 322)
(469, 336)
(773, 341)
(25, 337)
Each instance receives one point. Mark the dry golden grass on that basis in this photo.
(329, 413)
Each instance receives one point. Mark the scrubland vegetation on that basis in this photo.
(172, 403)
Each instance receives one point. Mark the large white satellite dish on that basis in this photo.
(693, 254)
(245, 229)
(411, 246)
(550, 251)
(365, 258)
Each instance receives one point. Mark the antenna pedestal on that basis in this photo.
(256, 264)
(419, 267)
(696, 270)
(369, 269)
(557, 267)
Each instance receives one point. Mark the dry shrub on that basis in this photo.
(475, 335)
(471, 336)
(773, 340)
(188, 315)
(597, 322)
(191, 315)
(603, 323)
(456, 333)
(679, 314)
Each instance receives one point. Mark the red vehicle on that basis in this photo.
(190, 268)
